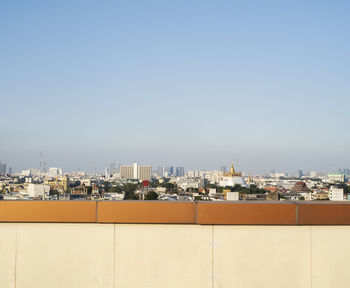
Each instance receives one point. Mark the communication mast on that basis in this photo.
(41, 162)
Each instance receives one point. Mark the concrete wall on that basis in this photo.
(149, 255)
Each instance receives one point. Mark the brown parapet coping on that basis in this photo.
(159, 212)
(336, 213)
(48, 211)
(247, 213)
(146, 212)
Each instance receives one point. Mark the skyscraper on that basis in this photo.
(112, 169)
(165, 171)
(126, 171)
(223, 168)
(144, 172)
(300, 174)
(180, 172)
(135, 171)
(2, 168)
(160, 171)
(53, 171)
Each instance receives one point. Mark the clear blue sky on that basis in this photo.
(192, 83)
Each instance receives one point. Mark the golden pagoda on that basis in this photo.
(232, 172)
(232, 178)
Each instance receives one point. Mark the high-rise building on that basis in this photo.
(2, 168)
(336, 177)
(180, 172)
(344, 171)
(314, 174)
(107, 174)
(135, 171)
(165, 171)
(112, 169)
(300, 174)
(53, 171)
(126, 172)
(144, 172)
(171, 171)
(35, 172)
(160, 171)
(26, 173)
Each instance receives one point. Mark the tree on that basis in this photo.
(53, 192)
(115, 189)
(169, 186)
(74, 184)
(89, 190)
(211, 186)
(192, 190)
(132, 196)
(218, 188)
(106, 185)
(237, 187)
(154, 183)
(251, 190)
(255, 190)
(344, 187)
(129, 189)
(151, 195)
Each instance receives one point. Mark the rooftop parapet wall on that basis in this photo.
(156, 212)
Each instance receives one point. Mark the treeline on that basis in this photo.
(251, 190)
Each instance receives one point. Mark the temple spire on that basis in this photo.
(232, 170)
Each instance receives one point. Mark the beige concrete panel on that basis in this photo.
(65, 255)
(330, 256)
(151, 256)
(262, 256)
(7, 255)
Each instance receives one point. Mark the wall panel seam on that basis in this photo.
(16, 244)
(311, 252)
(114, 256)
(296, 214)
(212, 256)
(96, 212)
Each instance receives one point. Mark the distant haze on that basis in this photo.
(186, 83)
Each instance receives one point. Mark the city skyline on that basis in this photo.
(101, 168)
(187, 143)
(192, 83)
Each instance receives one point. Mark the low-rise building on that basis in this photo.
(336, 178)
(38, 190)
(232, 196)
(194, 183)
(336, 194)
